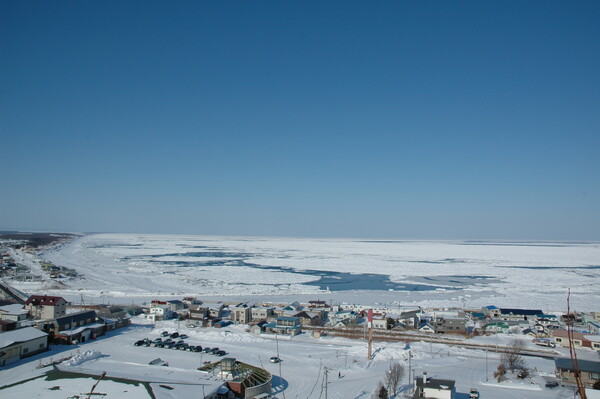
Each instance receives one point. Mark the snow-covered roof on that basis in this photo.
(80, 329)
(21, 335)
(593, 338)
(13, 309)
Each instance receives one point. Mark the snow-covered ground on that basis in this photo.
(128, 267)
(305, 360)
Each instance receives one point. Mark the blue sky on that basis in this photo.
(344, 119)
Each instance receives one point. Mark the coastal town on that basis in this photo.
(32, 325)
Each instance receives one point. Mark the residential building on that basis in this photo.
(580, 339)
(589, 370)
(241, 314)
(259, 313)
(284, 325)
(17, 344)
(46, 307)
(434, 388)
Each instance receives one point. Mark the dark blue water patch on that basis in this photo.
(594, 267)
(205, 254)
(440, 262)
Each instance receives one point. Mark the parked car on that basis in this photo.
(221, 353)
(206, 349)
(183, 347)
(214, 350)
(274, 359)
(139, 343)
(197, 348)
(175, 335)
(169, 345)
(183, 336)
(473, 393)
(164, 334)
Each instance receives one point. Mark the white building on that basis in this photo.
(17, 344)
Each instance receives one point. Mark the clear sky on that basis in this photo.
(395, 119)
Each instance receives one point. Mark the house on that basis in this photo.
(589, 370)
(113, 316)
(46, 307)
(497, 327)
(446, 324)
(411, 318)
(580, 339)
(198, 312)
(159, 312)
(383, 323)
(284, 325)
(17, 344)
(437, 388)
(426, 327)
(175, 305)
(258, 328)
(259, 313)
(519, 314)
(79, 327)
(343, 315)
(13, 312)
(241, 314)
(310, 318)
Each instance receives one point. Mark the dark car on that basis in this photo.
(197, 348)
(206, 350)
(214, 350)
(169, 345)
(221, 353)
(147, 343)
(183, 347)
(175, 335)
(183, 336)
(139, 343)
(164, 334)
(167, 341)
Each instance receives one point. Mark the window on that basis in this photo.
(594, 376)
(41, 346)
(25, 350)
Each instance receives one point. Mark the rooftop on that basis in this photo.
(21, 335)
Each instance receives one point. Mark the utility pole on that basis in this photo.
(370, 327)
(325, 377)
(486, 366)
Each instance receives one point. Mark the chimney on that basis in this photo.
(424, 378)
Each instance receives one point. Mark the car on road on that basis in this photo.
(274, 359)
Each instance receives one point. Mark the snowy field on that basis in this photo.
(128, 268)
(304, 360)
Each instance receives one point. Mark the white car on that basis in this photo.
(274, 359)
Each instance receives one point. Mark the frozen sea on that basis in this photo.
(126, 268)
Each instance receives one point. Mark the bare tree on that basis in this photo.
(393, 377)
(512, 359)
